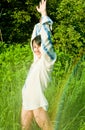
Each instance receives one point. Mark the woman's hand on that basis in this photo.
(42, 8)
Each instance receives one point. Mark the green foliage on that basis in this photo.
(19, 17)
(14, 64)
(71, 108)
(65, 93)
(3, 47)
(69, 30)
(17, 20)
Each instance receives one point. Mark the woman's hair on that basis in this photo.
(37, 40)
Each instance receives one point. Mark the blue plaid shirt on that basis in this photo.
(44, 29)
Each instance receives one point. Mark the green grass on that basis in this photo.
(65, 94)
(71, 109)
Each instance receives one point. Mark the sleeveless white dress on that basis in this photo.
(39, 74)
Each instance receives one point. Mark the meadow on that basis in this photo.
(65, 94)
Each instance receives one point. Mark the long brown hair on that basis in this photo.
(37, 40)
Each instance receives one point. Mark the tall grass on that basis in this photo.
(61, 93)
(71, 109)
(15, 63)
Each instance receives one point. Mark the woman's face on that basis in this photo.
(37, 49)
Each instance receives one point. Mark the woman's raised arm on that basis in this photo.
(42, 8)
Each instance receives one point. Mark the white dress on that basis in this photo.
(39, 73)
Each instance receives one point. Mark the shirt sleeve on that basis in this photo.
(44, 29)
(46, 42)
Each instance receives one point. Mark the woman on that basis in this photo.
(34, 102)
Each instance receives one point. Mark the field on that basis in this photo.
(65, 94)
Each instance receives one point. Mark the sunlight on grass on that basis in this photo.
(65, 94)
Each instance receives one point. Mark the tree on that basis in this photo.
(19, 17)
(17, 20)
(69, 31)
